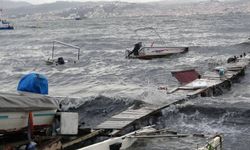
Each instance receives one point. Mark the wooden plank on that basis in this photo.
(141, 110)
(121, 119)
(128, 116)
(136, 112)
(196, 92)
(81, 139)
(113, 124)
(159, 136)
(157, 110)
(173, 90)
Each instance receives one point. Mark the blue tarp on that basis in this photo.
(34, 83)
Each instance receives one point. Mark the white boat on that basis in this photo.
(141, 51)
(156, 52)
(15, 111)
(122, 142)
(126, 141)
(5, 25)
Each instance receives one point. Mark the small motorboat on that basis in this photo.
(4, 25)
(78, 18)
(155, 52)
(15, 109)
(61, 60)
(122, 142)
(141, 51)
(199, 141)
(31, 102)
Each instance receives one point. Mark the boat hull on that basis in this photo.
(16, 121)
(124, 142)
(8, 28)
(157, 52)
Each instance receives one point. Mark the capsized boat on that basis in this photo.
(15, 110)
(61, 60)
(141, 51)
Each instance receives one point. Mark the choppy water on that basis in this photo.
(103, 69)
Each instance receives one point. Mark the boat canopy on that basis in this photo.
(16, 102)
(34, 83)
(185, 76)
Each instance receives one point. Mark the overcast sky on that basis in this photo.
(137, 1)
(48, 1)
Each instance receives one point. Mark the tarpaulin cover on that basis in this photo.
(26, 102)
(34, 83)
(185, 76)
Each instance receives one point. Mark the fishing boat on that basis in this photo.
(141, 51)
(5, 25)
(17, 109)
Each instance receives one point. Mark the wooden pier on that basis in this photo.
(136, 117)
(133, 119)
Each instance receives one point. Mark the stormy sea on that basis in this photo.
(103, 83)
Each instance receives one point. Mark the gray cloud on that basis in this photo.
(49, 1)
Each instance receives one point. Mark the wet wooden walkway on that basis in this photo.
(126, 117)
(133, 117)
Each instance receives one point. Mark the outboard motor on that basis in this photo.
(60, 61)
(137, 48)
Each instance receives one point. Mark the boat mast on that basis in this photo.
(153, 29)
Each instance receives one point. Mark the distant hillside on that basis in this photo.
(44, 8)
(118, 9)
(7, 4)
(62, 9)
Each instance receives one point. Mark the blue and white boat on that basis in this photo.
(5, 25)
(15, 110)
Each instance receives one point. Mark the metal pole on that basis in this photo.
(151, 28)
(53, 48)
(78, 54)
(160, 37)
(65, 44)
